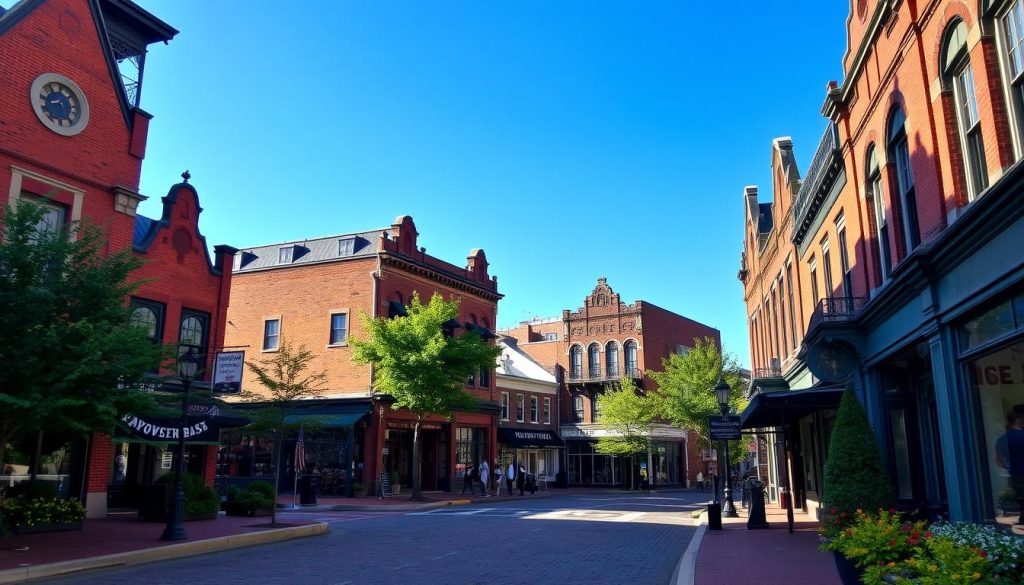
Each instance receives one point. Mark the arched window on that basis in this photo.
(577, 408)
(874, 182)
(957, 72)
(193, 332)
(899, 153)
(629, 349)
(594, 360)
(575, 362)
(1010, 33)
(145, 319)
(611, 359)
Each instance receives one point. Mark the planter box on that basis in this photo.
(40, 528)
(848, 572)
(236, 509)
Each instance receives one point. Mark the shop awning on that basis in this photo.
(160, 430)
(528, 438)
(772, 408)
(327, 421)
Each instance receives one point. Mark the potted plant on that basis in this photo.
(201, 500)
(396, 486)
(1007, 502)
(855, 479)
(26, 514)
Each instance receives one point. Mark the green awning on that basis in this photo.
(329, 421)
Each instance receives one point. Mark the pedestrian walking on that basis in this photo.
(510, 477)
(520, 479)
(497, 478)
(700, 480)
(485, 478)
(467, 479)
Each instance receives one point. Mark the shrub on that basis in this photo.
(855, 478)
(201, 500)
(27, 511)
(940, 562)
(258, 495)
(33, 489)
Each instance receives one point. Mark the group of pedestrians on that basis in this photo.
(514, 476)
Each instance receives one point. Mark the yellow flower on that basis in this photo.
(932, 568)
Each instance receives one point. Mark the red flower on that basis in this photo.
(928, 534)
(982, 554)
(892, 542)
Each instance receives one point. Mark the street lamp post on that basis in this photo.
(722, 391)
(188, 363)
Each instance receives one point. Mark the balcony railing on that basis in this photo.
(837, 309)
(606, 375)
(817, 182)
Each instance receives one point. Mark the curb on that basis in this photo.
(684, 573)
(394, 507)
(160, 553)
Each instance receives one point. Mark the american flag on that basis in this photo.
(300, 453)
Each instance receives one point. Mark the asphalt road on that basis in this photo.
(593, 539)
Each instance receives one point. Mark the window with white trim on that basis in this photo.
(547, 411)
(874, 180)
(1010, 34)
(504, 406)
(339, 328)
(534, 414)
(271, 334)
(958, 73)
(899, 152)
(520, 408)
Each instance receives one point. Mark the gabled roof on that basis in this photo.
(515, 362)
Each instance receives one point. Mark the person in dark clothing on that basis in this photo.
(468, 480)
(520, 479)
(510, 477)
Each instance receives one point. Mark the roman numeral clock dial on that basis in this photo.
(59, 104)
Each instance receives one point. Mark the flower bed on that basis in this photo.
(891, 549)
(28, 514)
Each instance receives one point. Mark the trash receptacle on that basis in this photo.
(784, 500)
(714, 516)
(307, 490)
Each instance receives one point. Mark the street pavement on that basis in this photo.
(594, 538)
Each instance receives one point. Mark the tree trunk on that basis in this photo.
(277, 473)
(37, 456)
(416, 461)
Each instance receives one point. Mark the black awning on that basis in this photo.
(771, 408)
(528, 438)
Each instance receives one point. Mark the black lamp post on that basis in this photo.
(188, 364)
(722, 391)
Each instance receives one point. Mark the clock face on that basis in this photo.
(59, 104)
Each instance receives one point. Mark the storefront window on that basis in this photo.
(244, 455)
(470, 448)
(998, 382)
(990, 325)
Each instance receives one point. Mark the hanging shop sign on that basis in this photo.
(227, 372)
(725, 428)
(158, 429)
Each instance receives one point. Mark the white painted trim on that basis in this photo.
(14, 192)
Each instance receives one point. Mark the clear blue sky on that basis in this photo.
(569, 140)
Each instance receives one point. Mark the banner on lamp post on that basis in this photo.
(724, 428)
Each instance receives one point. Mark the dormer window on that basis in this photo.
(285, 255)
(346, 246)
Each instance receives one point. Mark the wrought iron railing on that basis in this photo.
(837, 309)
(606, 375)
(825, 157)
(771, 372)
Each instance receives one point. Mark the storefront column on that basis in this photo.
(97, 475)
(351, 462)
(452, 434)
(956, 434)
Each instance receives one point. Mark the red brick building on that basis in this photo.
(604, 341)
(312, 293)
(72, 140)
(893, 263)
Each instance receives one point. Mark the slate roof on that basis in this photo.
(314, 251)
(765, 220)
(143, 225)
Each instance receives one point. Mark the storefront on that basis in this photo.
(663, 465)
(333, 434)
(538, 451)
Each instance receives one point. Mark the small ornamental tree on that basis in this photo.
(286, 380)
(70, 353)
(855, 478)
(627, 414)
(421, 366)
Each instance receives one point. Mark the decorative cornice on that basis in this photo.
(409, 265)
(126, 200)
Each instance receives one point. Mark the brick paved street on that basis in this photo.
(599, 538)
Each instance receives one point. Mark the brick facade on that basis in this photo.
(378, 271)
(93, 175)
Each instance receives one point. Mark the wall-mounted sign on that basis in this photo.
(404, 424)
(227, 372)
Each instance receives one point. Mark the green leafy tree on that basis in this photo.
(686, 388)
(855, 477)
(421, 366)
(284, 376)
(70, 353)
(628, 414)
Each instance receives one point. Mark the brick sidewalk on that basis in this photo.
(765, 557)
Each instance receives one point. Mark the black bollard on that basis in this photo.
(757, 518)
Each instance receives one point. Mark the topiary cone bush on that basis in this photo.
(855, 478)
